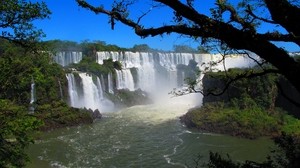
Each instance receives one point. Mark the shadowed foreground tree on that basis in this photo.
(238, 25)
(16, 17)
(16, 125)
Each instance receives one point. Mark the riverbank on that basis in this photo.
(246, 123)
(59, 115)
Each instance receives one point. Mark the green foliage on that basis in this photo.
(291, 125)
(184, 49)
(261, 89)
(19, 67)
(141, 48)
(249, 121)
(216, 161)
(16, 127)
(16, 20)
(248, 110)
(59, 45)
(87, 64)
(89, 48)
(58, 114)
(288, 154)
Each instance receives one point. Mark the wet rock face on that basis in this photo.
(96, 114)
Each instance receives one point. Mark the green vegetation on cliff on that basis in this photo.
(19, 68)
(89, 65)
(251, 122)
(247, 108)
(261, 90)
(16, 128)
(58, 114)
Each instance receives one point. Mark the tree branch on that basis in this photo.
(250, 12)
(206, 27)
(234, 15)
(285, 14)
(276, 36)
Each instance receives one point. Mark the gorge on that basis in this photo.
(144, 135)
(154, 73)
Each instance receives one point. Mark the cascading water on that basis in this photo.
(110, 83)
(88, 94)
(72, 89)
(65, 58)
(32, 91)
(125, 79)
(32, 96)
(91, 97)
(155, 73)
(99, 87)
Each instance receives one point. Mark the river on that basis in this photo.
(140, 136)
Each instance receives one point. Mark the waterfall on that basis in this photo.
(65, 58)
(32, 92)
(155, 73)
(124, 79)
(99, 87)
(110, 83)
(102, 83)
(32, 96)
(91, 96)
(173, 79)
(73, 91)
(60, 90)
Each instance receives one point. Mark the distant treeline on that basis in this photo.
(91, 46)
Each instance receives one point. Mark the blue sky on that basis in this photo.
(71, 22)
(68, 21)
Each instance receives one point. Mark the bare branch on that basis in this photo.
(145, 13)
(250, 12)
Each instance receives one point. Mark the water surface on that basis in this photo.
(140, 136)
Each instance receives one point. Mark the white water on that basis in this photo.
(150, 67)
(32, 97)
(155, 73)
(110, 83)
(32, 92)
(72, 89)
(125, 79)
(91, 96)
(65, 58)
